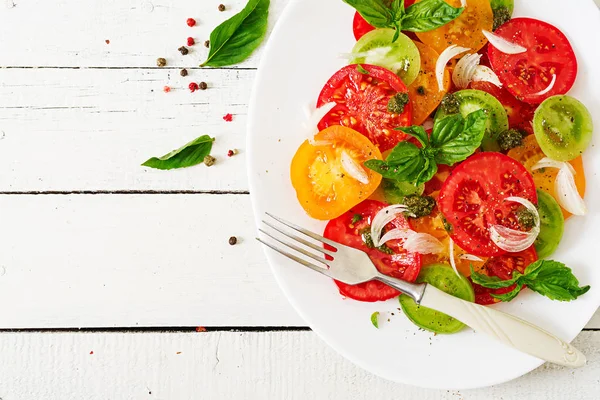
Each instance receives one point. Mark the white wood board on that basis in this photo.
(237, 365)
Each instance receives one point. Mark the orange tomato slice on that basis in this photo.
(465, 30)
(424, 92)
(530, 153)
(324, 188)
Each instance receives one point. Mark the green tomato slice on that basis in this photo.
(395, 191)
(563, 127)
(552, 224)
(472, 100)
(443, 277)
(401, 57)
(508, 4)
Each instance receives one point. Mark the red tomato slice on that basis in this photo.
(362, 101)
(472, 199)
(502, 267)
(402, 264)
(548, 53)
(360, 26)
(520, 114)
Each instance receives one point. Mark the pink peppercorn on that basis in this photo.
(191, 41)
(191, 22)
(193, 87)
(228, 117)
(167, 89)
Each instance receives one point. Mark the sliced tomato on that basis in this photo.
(520, 114)
(424, 91)
(548, 53)
(465, 31)
(362, 100)
(324, 188)
(436, 183)
(529, 153)
(502, 267)
(473, 198)
(360, 26)
(402, 264)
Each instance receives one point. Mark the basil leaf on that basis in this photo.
(428, 15)
(553, 280)
(456, 138)
(235, 39)
(508, 296)
(491, 282)
(375, 12)
(188, 155)
(405, 163)
(429, 170)
(375, 319)
(418, 132)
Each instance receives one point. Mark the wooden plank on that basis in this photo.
(135, 260)
(74, 33)
(231, 365)
(90, 129)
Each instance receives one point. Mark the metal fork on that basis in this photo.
(353, 266)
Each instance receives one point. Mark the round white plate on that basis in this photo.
(300, 56)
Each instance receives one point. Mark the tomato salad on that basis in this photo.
(452, 124)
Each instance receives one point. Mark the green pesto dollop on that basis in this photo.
(420, 206)
(397, 103)
(510, 139)
(526, 218)
(368, 240)
(450, 104)
(501, 16)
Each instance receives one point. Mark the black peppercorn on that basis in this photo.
(183, 50)
(203, 86)
(221, 7)
(207, 43)
(232, 240)
(183, 72)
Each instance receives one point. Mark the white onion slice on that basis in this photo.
(549, 88)
(451, 255)
(502, 44)
(465, 70)
(314, 116)
(568, 195)
(384, 217)
(440, 65)
(512, 240)
(463, 3)
(319, 143)
(428, 124)
(353, 168)
(566, 190)
(470, 257)
(485, 74)
(422, 243)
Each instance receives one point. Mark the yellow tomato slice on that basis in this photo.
(530, 153)
(465, 30)
(325, 189)
(424, 92)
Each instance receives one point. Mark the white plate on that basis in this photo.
(300, 56)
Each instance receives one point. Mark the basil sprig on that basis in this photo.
(188, 155)
(453, 139)
(235, 39)
(420, 17)
(546, 277)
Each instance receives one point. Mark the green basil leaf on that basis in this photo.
(375, 319)
(375, 12)
(553, 280)
(405, 163)
(235, 39)
(418, 132)
(428, 15)
(190, 154)
(456, 138)
(491, 282)
(429, 170)
(508, 296)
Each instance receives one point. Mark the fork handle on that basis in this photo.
(506, 328)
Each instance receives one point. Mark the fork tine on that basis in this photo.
(304, 231)
(297, 259)
(299, 239)
(294, 247)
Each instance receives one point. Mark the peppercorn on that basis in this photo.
(232, 153)
(207, 43)
(161, 62)
(209, 160)
(190, 22)
(232, 240)
(183, 50)
(167, 89)
(191, 41)
(183, 72)
(203, 86)
(221, 7)
(107, 41)
(193, 87)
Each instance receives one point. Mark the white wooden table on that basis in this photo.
(107, 267)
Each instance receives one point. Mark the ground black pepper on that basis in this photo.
(183, 50)
(232, 240)
(203, 86)
(183, 72)
(161, 62)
